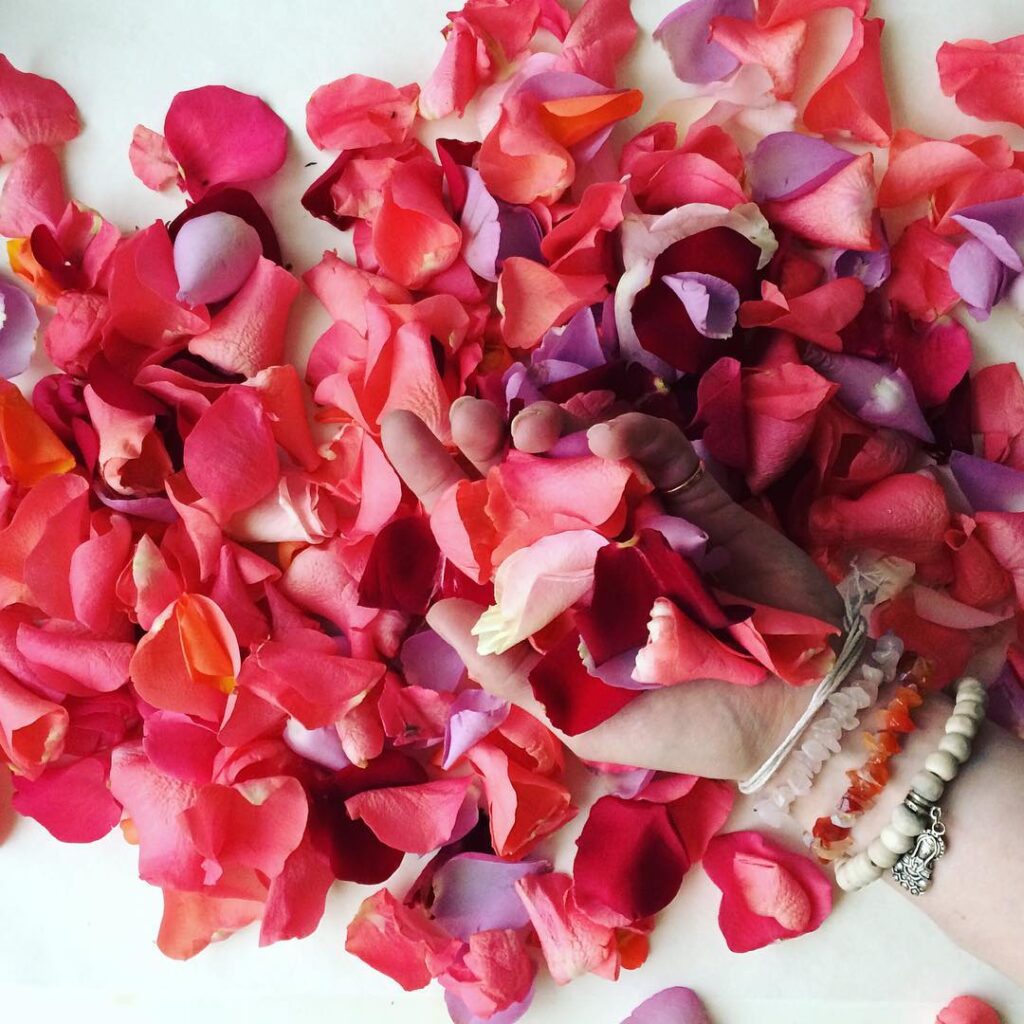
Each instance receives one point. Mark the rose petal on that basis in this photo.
(219, 136)
(686, 36)
(18, 323)
(32, 110)
(984, 77)
(670, 1006)
(356, 112)
(710, 302)
(151, 158)
(72, 801)
(988, 486)
(33, 193)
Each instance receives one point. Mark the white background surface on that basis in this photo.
(77, 927)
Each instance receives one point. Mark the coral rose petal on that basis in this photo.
(151, 158)
(357, 112)
(32, 110)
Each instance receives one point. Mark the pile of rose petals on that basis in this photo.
(212, 626)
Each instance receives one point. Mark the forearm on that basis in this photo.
(977, 896)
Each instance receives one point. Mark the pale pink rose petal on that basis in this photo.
(357, 112)
(534, 585)
(32, 110)
(670, 1006)
(71, 801)
(213, 256)
(151, 158)
(219, 136)
(230, 456)
(416, 819)
(248, 334)
(33, 193)
(571, 942)
(400, 941)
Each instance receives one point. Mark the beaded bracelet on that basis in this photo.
(914, 838)
(831, 835)
(824, 735)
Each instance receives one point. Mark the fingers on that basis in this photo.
(765, 566)
(505, 675)
(418, 456)
(478, 428)
(538, 427)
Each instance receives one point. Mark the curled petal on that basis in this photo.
(768, 893)
(678, 650)
(788, 165)
(602, 33)
(818, 315)
(710, 302)
(213, 255)
(775, 49)
(853, 99)
(29, 449)
(536, 584)
(32, 729)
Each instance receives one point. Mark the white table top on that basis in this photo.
(77, 939)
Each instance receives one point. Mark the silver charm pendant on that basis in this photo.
(914, 869)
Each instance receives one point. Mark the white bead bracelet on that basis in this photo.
(914, 839)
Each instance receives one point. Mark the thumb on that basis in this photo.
(505, 675)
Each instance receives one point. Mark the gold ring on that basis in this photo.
(691, 481)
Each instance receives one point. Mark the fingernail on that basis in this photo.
(598, 431)
(461, 400)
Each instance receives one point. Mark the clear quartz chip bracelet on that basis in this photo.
(914, 840)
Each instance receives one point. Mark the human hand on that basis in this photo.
(705, 727)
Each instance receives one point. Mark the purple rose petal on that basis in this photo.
(481, 230)
(875, 392)
(431, 662)
(213, 256)
(788, 165)
(685, 36)
(570, 446)
(670, 1006)
(871, 268)
(999, 225)
(710, 302)
(988, 486)
(322, 746)
(18, 323)
(979, 277)
(1006, 701)
(460, 1013)
(520, 234)
(474, 715)
(682, 535)
(160, 510)
(476, 892)
(577, 342)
